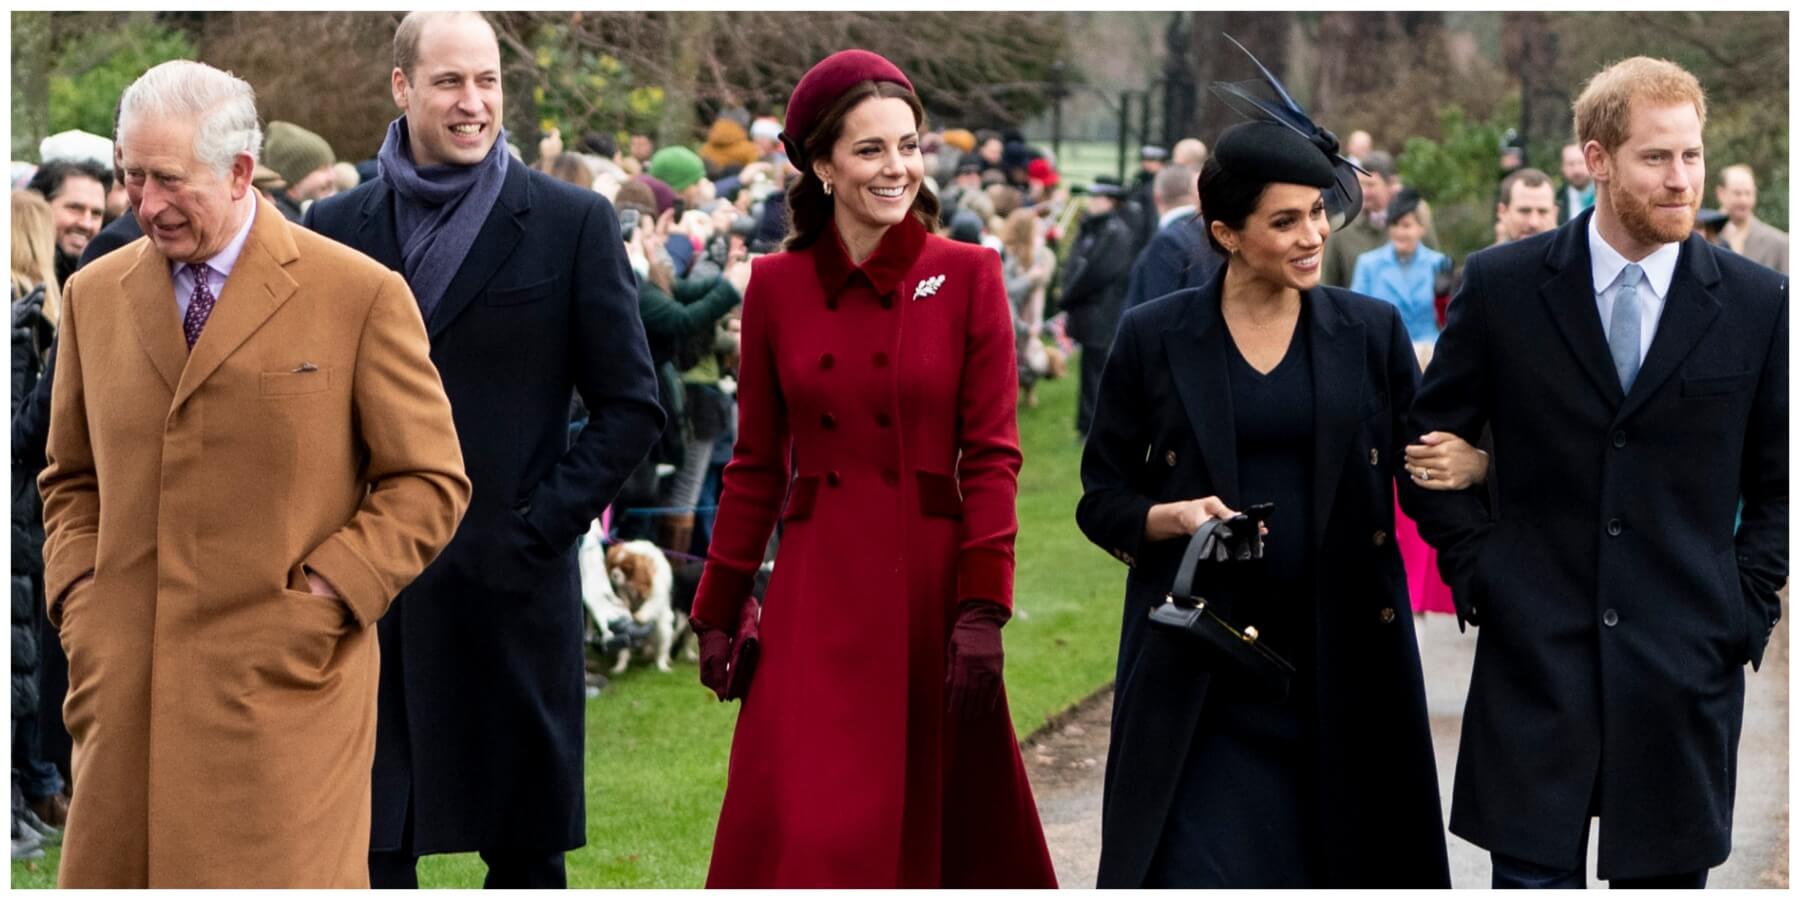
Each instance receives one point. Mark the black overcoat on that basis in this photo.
(1178, 256)
(482, 690)
(1616, 607)
(1163, 431)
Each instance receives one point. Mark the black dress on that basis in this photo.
(1267, 800)
(1336, 786)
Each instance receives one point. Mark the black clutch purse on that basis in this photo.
(1225, 644)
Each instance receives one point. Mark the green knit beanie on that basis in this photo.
(678, 167)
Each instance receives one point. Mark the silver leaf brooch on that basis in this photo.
(928, 287)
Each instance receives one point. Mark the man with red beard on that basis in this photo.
(1635, 379)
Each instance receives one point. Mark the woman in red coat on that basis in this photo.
(876, 403)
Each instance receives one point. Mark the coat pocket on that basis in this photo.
(938, 495)
(516, 296)
(300, 381)
(1716, 384)
(801, 497)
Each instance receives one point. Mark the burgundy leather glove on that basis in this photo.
(715, 655)
(976, 659)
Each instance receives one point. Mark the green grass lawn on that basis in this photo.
(657, 744)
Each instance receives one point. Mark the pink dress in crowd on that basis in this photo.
(1427, 588)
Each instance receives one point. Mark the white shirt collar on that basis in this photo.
(1173, 214)
(225, 260)
(1659, 266)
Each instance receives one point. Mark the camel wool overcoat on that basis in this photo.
(223, 716)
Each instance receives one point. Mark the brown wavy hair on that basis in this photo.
(809, 207)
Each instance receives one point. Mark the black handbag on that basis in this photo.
(1224, 643)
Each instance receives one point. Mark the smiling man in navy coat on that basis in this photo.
(1636, 380)
(527, 295)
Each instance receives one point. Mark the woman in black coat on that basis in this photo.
(1263, 386)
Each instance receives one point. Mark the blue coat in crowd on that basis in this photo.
(1408, 285)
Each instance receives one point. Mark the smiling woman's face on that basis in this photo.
(875, 168)
(1283, 241)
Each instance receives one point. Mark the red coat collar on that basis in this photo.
(884, 268)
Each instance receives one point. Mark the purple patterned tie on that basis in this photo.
(200, 306)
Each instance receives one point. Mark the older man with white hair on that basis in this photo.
(250, 454)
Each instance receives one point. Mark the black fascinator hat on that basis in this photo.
(1264, 100)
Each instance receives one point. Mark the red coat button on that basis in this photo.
(882, 420)
(890, 477)
(880, 360)
(827, 361)
(832, 478)
(827, 422)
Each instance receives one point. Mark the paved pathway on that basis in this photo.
(1067, 760)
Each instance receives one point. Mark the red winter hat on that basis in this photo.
(823, 84)
(1040, 170)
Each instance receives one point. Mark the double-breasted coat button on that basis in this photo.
(1387, 615)
(1374, 456)
(1619, 439)
(882, 420)
(1379, 537)
(827, 422)
(832, 478)
(890, 477)
(1610, 617)
(827, 361)
(1169, 457)
(1615, 528)
(880, 360)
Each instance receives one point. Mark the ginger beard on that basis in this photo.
(1647, 220)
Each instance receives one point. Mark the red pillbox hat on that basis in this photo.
(823, 84)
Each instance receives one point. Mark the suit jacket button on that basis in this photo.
(1610, 617)
(1380, 538)
(832, 478)
(1169, 457)
(1387, 615)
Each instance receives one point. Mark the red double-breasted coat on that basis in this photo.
(877, 420)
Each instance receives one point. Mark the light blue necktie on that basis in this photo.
(1622, 337)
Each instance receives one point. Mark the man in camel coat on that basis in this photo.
(250, 454)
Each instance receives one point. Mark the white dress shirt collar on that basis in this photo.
(1659, 266)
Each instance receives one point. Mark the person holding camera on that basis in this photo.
(1264, 387)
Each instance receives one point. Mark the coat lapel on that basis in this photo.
(1687, 314)
(255, 289)
(501, 232)
(1338, 383)
(379, 234)
(150, 289)
(1198, 358)
(1569, 296)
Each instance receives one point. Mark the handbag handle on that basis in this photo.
(1183, 589)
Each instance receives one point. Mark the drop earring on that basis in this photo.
(827, 188)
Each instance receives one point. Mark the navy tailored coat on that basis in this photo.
(1163, 431)
(1617, 606)
(1178, 257)
(482, 688)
